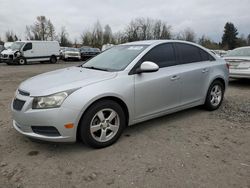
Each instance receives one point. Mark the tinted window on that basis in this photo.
(206, 56)
(163, 55)
(188, 53)
(28, 46)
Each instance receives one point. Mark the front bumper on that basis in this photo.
(26, 118)
(239, 73)
(7, 60)
(72, 57)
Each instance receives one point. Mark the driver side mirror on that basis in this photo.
(147, 66)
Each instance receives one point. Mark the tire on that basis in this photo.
(215, 96)
(53, 59)
(95, 130)
(22, 61)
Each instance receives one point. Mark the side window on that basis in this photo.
(163, 55)
(188, 53)
(28, 46)
(206, 56)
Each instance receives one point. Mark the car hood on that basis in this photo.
(63, 79)
(8, 51)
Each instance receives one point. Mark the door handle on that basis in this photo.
(175, 77)
(204, 70)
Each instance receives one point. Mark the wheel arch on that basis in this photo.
(113, 98)
(219, 78)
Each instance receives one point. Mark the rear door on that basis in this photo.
(158, 91)
(195, 67)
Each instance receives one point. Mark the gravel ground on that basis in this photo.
(192, 148)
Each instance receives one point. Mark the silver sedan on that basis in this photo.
(239, 62)
(125, 85)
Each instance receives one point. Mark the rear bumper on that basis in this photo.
(234, 73)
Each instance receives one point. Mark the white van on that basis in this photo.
(22, 52)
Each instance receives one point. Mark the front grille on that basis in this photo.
(45, 130)
(23, 93)
(73, 54)
(18, 104)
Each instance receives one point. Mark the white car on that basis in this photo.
(23, 52)
(71, 53)
(239, 62)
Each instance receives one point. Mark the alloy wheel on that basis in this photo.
(216, 95)
(105, 125)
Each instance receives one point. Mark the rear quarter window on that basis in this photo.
(206, 56)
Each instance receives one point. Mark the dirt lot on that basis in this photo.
(192, 148)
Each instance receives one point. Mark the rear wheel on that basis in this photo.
(215, 95)
(53, 59)
(102, 124)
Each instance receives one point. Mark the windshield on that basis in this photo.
(115, 59)
(17, 45)
(240, 52)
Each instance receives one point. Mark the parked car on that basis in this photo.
(239, 62)
(71, 54)
(88, 52)
(125, 85)
(107, 46)
(221, 53)
(23, 52)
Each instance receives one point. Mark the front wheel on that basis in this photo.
(102, 124)
(215, 95)
(21, 61)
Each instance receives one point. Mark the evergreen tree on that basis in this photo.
(229, 38)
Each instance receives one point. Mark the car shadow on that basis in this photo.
(244, 82)
(133, 130)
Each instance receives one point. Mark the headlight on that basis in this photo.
(18, 54)
(50, 101)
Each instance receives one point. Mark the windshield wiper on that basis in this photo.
(95, 68)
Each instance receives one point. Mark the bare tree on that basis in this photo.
(86, 38)
(42, 29)
(208, 43)
(64, 37)
(146, 29)
(188, 35)
(51, 31)
(248, 39)
(1, 42)
(97, 35)
(107, 35)
(10, 36)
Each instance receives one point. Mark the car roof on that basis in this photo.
(154, 42)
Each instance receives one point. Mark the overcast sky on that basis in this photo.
(203, 16)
